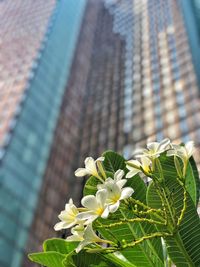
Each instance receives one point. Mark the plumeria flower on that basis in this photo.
(183, 152)
(153, 150)
(77, 233)
(90, 168)
(116, 194)
(115, 190)
(135, 167)
(117, 180)
(85, 235)
(67, 216)
(96, 207)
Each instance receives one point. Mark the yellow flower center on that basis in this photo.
(115, 198)
(99, 211)
(147, 169)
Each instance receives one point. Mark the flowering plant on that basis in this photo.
(125, 221)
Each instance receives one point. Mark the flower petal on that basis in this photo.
(80, 172)
(90, 165)
(90, 202)
(164, 144)
(100, 159)
(87, 215)
(74, 238)
(133, 163)
(89, 234)
(81, 245)
(138, 153)
(59, 226)
(70, 201)
(121, 183)
(154, 146)
(114, 207)
(126, 192)
(171, 152)
(190, 148)
(101, 197)
(118, 175)
(145, 161)
(105, 213)
(132, 173)
(67, 216)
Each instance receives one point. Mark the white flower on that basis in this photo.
(153, 150)
(115, 192)
(67, 216)
(117, 180)
(96, 206)
(90, 168)
(135, 167)
(77, 233)
(183, 152)
(87, 236)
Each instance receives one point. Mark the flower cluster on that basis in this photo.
(147, 156)
(106, 200)
(111, 191)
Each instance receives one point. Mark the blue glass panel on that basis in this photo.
(24, 163)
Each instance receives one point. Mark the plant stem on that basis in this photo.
(134, 234)
(147, 237)
(125, 221)
(169, 208)
(136, 201)
(184, 207)
(154, 212)
(168, 212)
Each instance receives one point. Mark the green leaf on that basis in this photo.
(194, 188)
(59, 245)
(184, 246)
(60, 253)
(90, 187)
(191, 179)
(55, 251)
(139, 188)
(119, 262)
(49, 259)
(147, 253)
(113, 161)
(85, 259)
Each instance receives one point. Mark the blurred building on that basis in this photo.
(79, 77)
(37, 43)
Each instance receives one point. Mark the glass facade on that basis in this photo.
(90, 120)
(19, 44)
(132, 81)
(191, 14)
(23, 163)
(161, 85)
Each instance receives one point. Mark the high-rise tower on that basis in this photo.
(161, 82)
(37, 42)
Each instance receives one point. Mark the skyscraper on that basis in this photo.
(88, 75)
(161, 82)
(38, 39)
(191, 15)
(83, 126)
